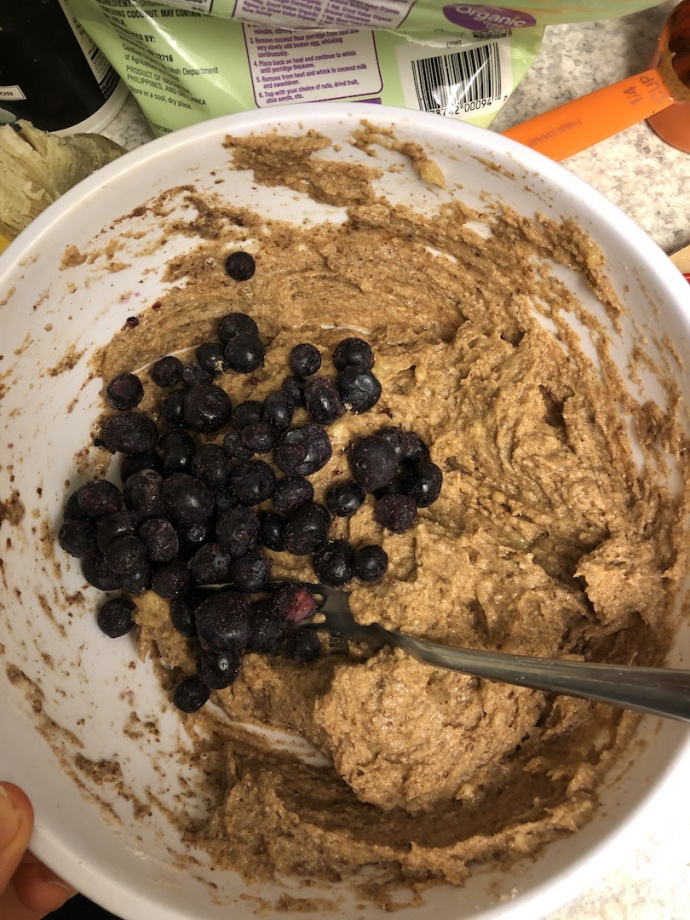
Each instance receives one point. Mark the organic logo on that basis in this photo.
(482, 18)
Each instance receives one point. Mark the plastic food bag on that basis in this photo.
(189, 60)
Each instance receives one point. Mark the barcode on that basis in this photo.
(453, 84)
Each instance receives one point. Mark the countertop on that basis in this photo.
(649, 181)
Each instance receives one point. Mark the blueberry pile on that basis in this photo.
(207, 489)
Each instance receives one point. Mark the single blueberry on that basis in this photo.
(305, 360)
(396, 513)
(303, 451)
(353, 352)
(358, 389)
(333, 563)
(131, 433)
(373, 462)
(124, 392)
(370, 563)
(167, 371)
(307, 529)
(322, 400)
(240, 266)
(207, 407)
(233, 324)
(345, 498)
(191, 694)
(116, 617)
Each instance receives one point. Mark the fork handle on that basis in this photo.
(655, 691)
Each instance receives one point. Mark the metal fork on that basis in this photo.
(657, 691)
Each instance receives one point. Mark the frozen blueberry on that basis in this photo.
(322, 400)
(353, 352)
(116, 525)
(240, 266)
(167, 371)
(72, 511)
(210, 355)
(272, 531)
(294, 387)
(237, 530)
(303, 451)
(191, 694)
(414, 448)
(370, 562)
(225, 500)
(305, 360)
(99, 574)
(344, 498)
(395, 487)
(192, 536)
(172, 409)
(307, 529)
(303, 645)
(182, 614)
(358, 389)
(278, 410)
(143, 493)
(234, 448)
(223, 621)
(194, 375)
(261, 437)
(234, 324)
(210, 565)
(171, 580)
(133, 464)
(373, 462)
(294, 602)
(137, 580)
(268, 628)
(211, 464)
(244, 353)
(252, 481)
(218, 669)
(246, 413)
(424, 483)
(396, 513)
(291, 492)
(333, 563)
(187, 499)
(99, 497)
(394, 436)
(207, 407)
(78, 538)
(175, 450)
(124, 392)
(131, 433)
(252, 571)
(116, 617)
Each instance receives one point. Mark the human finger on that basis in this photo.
(16, 824)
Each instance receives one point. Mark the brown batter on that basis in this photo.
(545, 540)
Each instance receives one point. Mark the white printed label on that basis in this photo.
(360, 14)
(199, 6)
(13, 93)
(458, 78)
(311, 66)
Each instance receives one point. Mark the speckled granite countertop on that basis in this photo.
(650, 181)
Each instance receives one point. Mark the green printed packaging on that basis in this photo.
(189, 60)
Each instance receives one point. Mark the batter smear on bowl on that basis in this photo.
(527, 527)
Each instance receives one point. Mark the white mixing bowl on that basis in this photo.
(94, 824)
